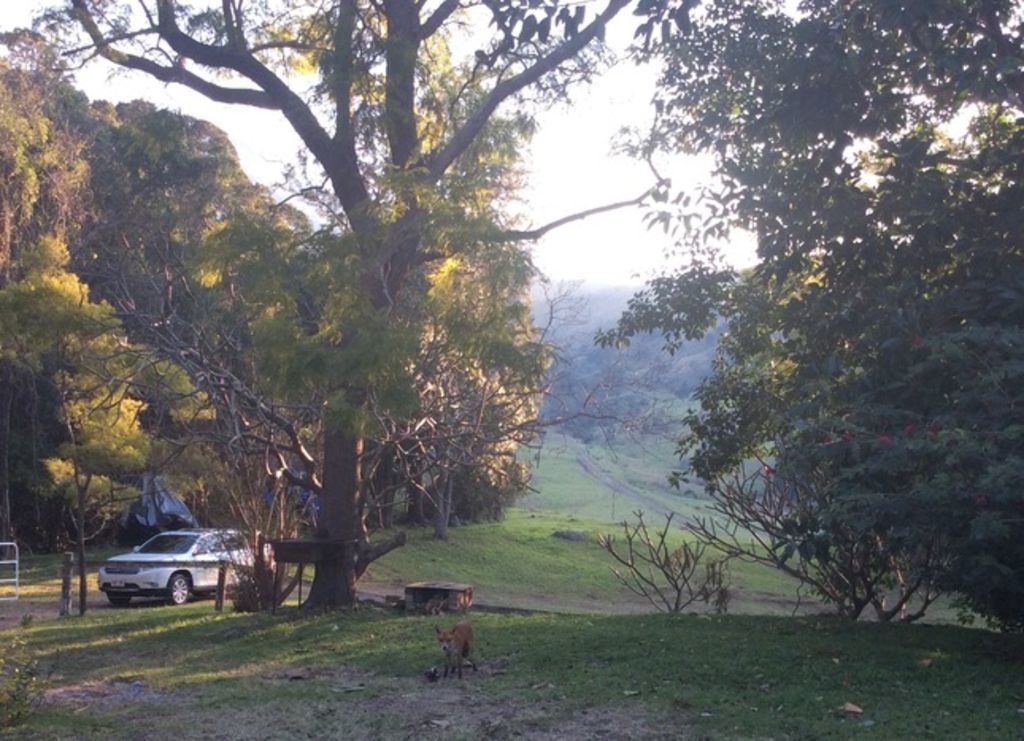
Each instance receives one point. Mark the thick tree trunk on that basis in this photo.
(341, 520)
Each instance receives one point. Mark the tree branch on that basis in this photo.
(370, 553)
(164, 73)
(438, 17)
(339, 162)
(515, 235)
(438, 162)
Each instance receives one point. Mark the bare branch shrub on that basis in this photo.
(800, 526)
(669, 578)
(266, 507)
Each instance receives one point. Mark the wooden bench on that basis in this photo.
(300, 551)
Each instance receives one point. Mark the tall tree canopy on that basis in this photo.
(54, 337)
(42, 203)
(876, 149)
(419, 165)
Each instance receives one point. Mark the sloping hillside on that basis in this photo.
(622, 412)
(608, 481)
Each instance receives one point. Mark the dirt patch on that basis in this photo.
(114, 690)
(34, 609)
(341, 678)
(17, 612)
(357, 704)
(369, 706)
(456, 709)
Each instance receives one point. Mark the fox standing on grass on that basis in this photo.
(456, 644)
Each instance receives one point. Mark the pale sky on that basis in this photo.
(571, 164)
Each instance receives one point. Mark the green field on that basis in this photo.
(519, 562)
(181, 672)
(609, 481)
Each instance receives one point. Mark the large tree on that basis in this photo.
(401, 129)
(43, 175)
(875, 354)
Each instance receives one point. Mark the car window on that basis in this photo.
(168, 543)
(226, 542)
(234, 542)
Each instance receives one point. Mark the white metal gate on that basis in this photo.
(8, 565)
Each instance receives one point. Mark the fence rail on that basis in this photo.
(7, 550)
(69, 567)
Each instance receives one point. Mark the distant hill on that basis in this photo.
(622, 411)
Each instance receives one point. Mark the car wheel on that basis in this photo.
(118, 600)
(179, 588)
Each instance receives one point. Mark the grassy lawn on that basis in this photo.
(729, 677)
(517, 557)
(518, 562)
(162, 672)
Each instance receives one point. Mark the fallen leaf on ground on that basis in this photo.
(849, 707)
(630, 693)
(926, 662)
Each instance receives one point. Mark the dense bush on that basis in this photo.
(877, 349)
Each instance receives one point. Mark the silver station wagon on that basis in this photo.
(166, 578)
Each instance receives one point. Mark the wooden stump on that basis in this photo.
(222, 581)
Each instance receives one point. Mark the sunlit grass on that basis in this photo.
(518, 561)
(608, 482)
(734, 676)
(728, 676)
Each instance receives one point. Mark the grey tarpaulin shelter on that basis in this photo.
(157, 509)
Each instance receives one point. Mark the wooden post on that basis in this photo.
(277, 579)
(65, 585)
(222, 581)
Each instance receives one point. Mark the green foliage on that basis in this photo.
(294, 337)
(41, 167)
(878, 344)
(22, 682)
(488, 493)
(105, 442)
(46, 316)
